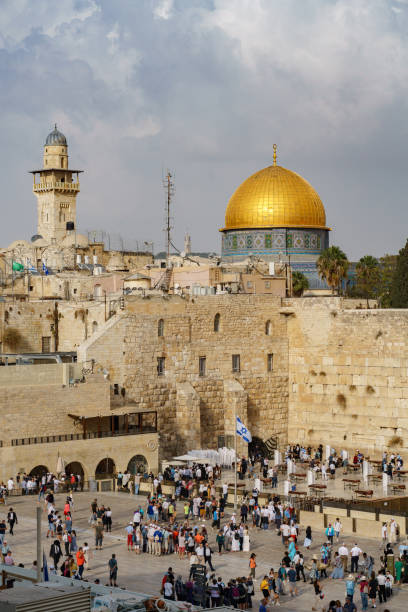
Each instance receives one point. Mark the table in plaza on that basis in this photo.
(361, 493)
(351, 483)
(295, 476)
(374, 477)
(297, 493)
(318, 488)
(397, 488)
(400, 473)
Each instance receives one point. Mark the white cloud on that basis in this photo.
(163, 9)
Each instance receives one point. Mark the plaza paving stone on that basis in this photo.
(143, 573)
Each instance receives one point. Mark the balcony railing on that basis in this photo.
(80, 436)
(56, 185)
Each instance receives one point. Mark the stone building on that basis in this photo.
(60, 410)
(57, 245)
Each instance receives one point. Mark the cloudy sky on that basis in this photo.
(205, 87)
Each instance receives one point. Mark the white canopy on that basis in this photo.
(187, 458)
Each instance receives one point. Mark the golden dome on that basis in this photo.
(275, 197)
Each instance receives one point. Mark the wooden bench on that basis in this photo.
(361, 493)
(350, 483)
(397, 488)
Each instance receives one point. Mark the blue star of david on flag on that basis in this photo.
(243, 431)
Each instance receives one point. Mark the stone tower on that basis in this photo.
(56, 190)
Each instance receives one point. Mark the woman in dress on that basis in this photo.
(338, 572)
(308, 538)
(398, 570)
(291, 548)
(235, 541)
(372, 589)
(246, 544)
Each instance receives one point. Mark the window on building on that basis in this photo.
(160, 366)
(46, 344)
(160, 328)
(236, 363)
(31, 288)
(75, 290)
(116, 389)
(249, 284)
(202, 362)
(217, 322)
(268, 328)
(270, 362)
(267, 284)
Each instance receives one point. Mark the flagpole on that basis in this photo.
(236, 458)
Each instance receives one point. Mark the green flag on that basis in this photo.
(17, 266)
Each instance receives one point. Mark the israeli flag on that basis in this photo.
(45, 269)
(243, 431)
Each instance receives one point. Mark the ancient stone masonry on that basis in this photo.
(199, 385)
(348, 375)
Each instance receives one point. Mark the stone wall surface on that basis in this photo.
(43, 409)
(130, 348)
(348, 376)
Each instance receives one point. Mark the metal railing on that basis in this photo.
(80, 436)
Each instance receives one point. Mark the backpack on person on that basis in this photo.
(235, 592)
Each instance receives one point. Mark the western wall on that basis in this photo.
(340, 370)
(348, 375)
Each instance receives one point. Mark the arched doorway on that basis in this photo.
(74, 468)
(138, 463)
(38, 471)
(105, 469)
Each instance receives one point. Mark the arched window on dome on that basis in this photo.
(217, 322)
(268, 328)
(160, 328)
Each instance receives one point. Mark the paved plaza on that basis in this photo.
(143, 573)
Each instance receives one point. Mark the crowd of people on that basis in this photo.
(192, 523)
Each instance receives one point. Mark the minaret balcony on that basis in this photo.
(57, 185)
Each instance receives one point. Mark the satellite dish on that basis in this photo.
(183, 254)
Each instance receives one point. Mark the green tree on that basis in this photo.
(299, 283)
(332, 266)
(399, 288)
(368, 277)
(388, 264)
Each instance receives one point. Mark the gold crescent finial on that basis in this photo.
(274, 154)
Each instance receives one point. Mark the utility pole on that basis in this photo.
(169, 191)
(38, 543)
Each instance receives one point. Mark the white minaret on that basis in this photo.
(56, 190)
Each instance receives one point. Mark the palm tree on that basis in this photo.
(368, 276)
(332, 266)
(299, 283)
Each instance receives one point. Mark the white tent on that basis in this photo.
(188, 458)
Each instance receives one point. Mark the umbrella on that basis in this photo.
(60, 465)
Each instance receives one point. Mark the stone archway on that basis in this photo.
(38, 471)
(106, 468)
(138, 463)
(76, 468)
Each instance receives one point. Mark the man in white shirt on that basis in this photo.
(285, 530)
(355, 553)
(343, 553)
(337, 528)
(381, 586)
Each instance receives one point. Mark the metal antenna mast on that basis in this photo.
(169, 191)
